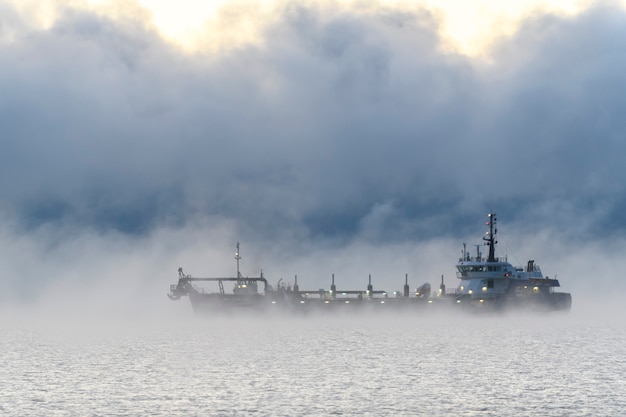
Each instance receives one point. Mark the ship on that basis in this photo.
(492, 282)
(486, 284)
(256, 294)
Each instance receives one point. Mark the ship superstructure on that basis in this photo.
(494, 281)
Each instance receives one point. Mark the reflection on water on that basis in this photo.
(551, 366)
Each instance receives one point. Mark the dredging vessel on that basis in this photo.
(485, 284)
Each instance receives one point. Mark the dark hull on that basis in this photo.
(287, 303)
(540, 303)
(220, 303)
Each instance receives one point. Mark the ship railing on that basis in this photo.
(188, 280)
(356, 294)
(482, 259)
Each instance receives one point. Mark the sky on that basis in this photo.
(326, 136)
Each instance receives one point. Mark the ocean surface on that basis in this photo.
(376, 365)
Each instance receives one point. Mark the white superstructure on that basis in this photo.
(494, 280)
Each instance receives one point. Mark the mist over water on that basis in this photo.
(63, 272)
(100, 337)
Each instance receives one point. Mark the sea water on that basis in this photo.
(373, 365)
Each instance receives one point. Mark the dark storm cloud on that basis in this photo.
(340, 124)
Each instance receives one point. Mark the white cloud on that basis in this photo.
(341, 131)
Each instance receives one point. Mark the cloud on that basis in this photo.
(346, 128)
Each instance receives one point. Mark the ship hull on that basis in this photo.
(537, 304)
(285, 304)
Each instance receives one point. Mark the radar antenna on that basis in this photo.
(490, 238)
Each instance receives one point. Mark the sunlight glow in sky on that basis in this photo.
(467, 26)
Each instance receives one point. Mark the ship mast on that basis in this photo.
(490, 239)
(237, 257)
